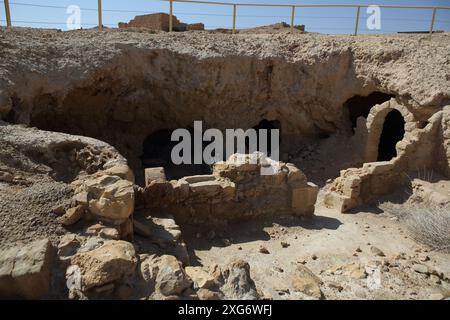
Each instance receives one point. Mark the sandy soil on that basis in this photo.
(328, 244)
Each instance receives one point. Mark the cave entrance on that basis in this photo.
(393, 132)
(359, 106)
(269, 125)
(157, 149)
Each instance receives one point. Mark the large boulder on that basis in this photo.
(171, 278)
(25, 270)
(237, 282)
(106, 264)
(110, 197)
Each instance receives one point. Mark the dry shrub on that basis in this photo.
(429, 225)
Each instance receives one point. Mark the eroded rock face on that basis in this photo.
(25, 270)
(238, 283)
(109, 197)
(106, 264)
(237, 190)
(165, 276)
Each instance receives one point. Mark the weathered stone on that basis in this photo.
(201, 278)
(376, 251)
(154, 21)
(304, 199)
(68, 245)
(109, 233)
(154, 174)
(171, 278)
(72, 215)
(110, 197)
(121, 170)
(304, 280)
(264, 250)
(355, 270)
(110, 262)
(295, 176)
(25, 270)
(238, 283)
(420, 268)
(206, 294)
(81, 198)
(195, 27)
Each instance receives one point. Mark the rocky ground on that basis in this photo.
(73, 223)
(367, 255)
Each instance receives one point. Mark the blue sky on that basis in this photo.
(325, 20)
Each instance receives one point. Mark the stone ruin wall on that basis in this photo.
(160, 21)
(234, 192)
(421, 149)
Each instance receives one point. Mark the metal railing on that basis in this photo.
(277, 5)
(293, 9)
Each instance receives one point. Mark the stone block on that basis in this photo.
(154, 174)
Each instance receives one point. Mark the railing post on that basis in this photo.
(357, 20)
(8, 14)
(171, 16)
(292, 19)
(234, 18)
(100, 18)
(432, 21)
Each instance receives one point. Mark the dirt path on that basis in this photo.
(337, 248)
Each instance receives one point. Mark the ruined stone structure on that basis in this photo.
(357, 186)
(76, 127)
(160, 21)
(236, 191)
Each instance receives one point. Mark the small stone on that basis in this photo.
(226, 242)
(436, 296)
(306, 281)
(376, 251)
(420, 268)
(278, 269)
(109, 233)
(264, 250)
(72, 216)
(314, 257)
(401, 256)
(239, 248)
(284, 244)
(424, 258)
(366, 226)
(358, 249)
(335, 285)
(435, 279)
(302, 261)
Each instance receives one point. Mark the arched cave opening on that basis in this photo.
(359, 106)
(157, 149)
(393, 132)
